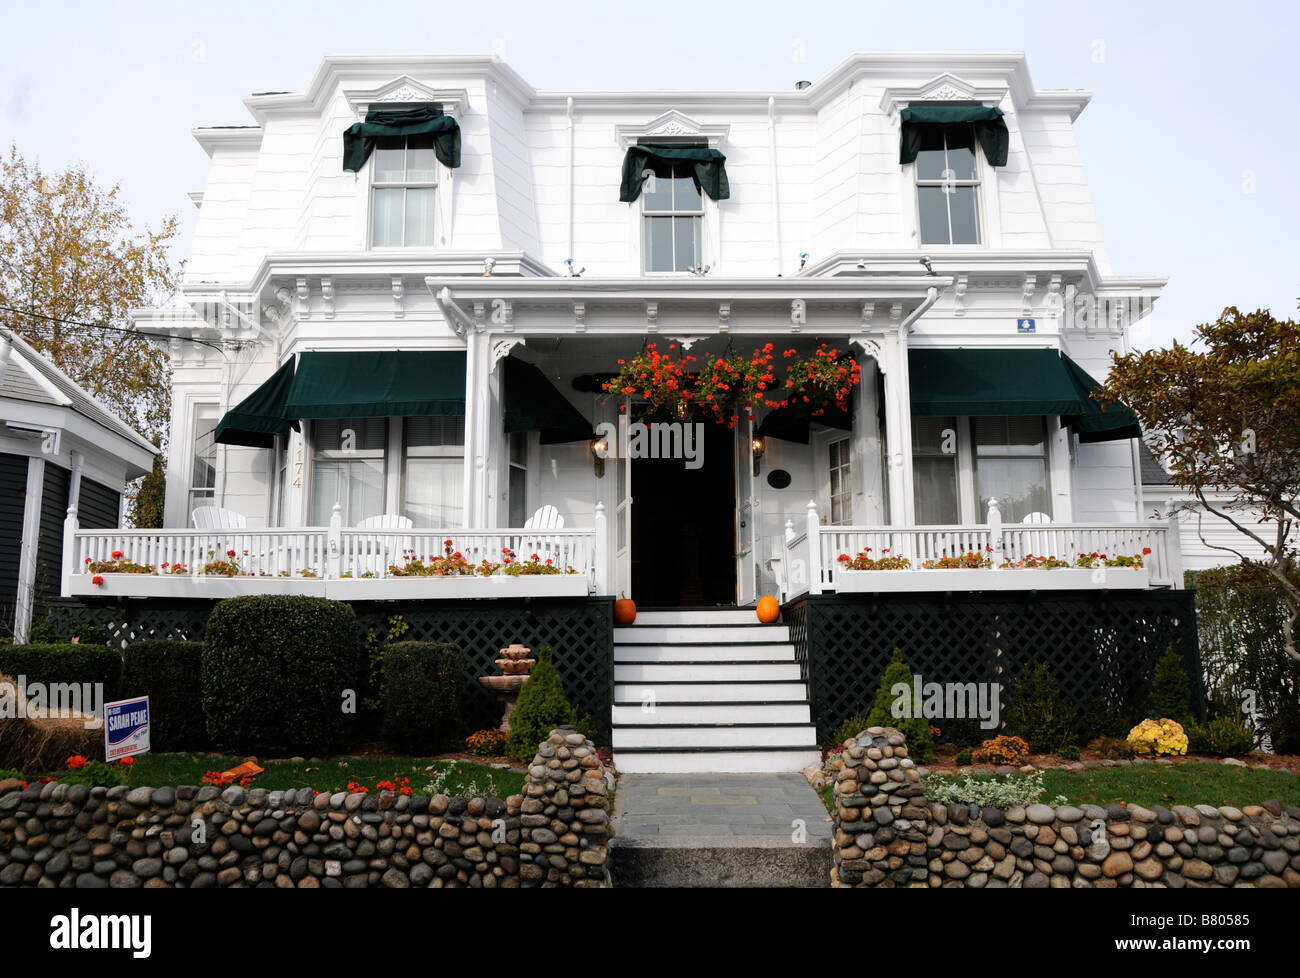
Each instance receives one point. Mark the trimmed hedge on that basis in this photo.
(170, 673)
(279, 671)
(64, 662)
(422, 684)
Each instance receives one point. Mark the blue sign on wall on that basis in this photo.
(126, 728)
(1025, 326)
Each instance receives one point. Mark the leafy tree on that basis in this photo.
(69, 251)
(1223, 419)
(1171, 689)
(147, 506)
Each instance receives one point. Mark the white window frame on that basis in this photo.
(821, 442)
(195, 406)
(1047, 458)
(313, 455)
(442, 176)
(403, 453)
(643, 214)
(981, 182)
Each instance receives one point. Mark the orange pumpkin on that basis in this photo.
(624, 611)
(768, 610)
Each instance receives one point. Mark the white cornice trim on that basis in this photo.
(701, 289)
(405, 89)
(672, 125)
(213, 138)
(942, 87)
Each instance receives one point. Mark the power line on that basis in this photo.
(111, 329)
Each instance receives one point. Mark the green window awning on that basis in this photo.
(990, 127)
(378, 383)
(968, 383)
(709, 168)
(794, 423)
(257, 419)
(425, 120)
(531, 403)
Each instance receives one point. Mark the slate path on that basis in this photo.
(719, 830)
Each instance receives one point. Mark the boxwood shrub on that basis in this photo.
(422, 684)
(279, 671)
(64, 662)
(171, 675)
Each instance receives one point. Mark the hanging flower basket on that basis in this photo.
(821, 379)
(730, 385)
(663, 379)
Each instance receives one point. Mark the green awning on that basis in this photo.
(990, 127)
(359, 138)
(794, 423)
(257, 419)
(709, 168)
(376, 384)
(967, 383)
(1110, 422)
(531, 403)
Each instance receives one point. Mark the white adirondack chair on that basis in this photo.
(221, 520)
(546, 518)
(216, 518)
(1039, 544)
(385, 548)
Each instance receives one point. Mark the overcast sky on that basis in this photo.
(1186, 142)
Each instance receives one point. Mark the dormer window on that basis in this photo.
(403, 184)
(947, 185)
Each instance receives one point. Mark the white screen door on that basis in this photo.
(746, 516)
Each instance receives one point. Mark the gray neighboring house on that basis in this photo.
(59, 448)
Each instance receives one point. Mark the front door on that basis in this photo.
(683, 525)
(746, 533)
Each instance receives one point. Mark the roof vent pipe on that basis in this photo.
(799, 86)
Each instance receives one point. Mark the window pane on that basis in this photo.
(519, 448)
(350, 434)
(204, 474)
(420, 159)
(961, 152)
(685, 196)
(518, 496)
(434, 432)
(935, 482)
(387, 218)
(658, 244)
(934, 215)
(433, 492)
(687, 232)
(1018, 484)
(965, 220)
(390, 152)
(934, 436)
(929, 161)
(419, 216)
(1018, 435)
(657, 192)
(356, 484)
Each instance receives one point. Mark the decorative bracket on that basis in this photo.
(686, 342)
(895, 315)
(1055, 302)
(501, 348)
(870, 347)
(327, 296)
(724, 316)
(580, 317)
(798, 314)
(959, 294)
(652, 317)
(1027, 295)
(868, 312)
(302, 294)
(399, 295)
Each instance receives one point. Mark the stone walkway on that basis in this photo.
(719, 830)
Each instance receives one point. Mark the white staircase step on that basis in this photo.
(712, 713)
(667, 672)
(731, 616)
(726, 735)
(699, 635)
(670, 692)
(702, 653)
(719, 761)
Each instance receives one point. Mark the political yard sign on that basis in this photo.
(126, 728)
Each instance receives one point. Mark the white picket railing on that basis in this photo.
(330, 553)
(804, 568)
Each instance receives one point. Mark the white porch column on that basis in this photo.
(27, 551)
(478, 372)
(868, 449)
(898, 424)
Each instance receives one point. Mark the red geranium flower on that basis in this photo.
(97, 580)
(76, 761)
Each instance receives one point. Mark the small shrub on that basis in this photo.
(1111, 748)
(1171, 689)
(171, 675)
(916, 729)
(64, 662)
(422, 683)
(1162, 738)
(1226, 737)
(1002, 750)
(541, 708)
(486, 743)
(276, 671)
(1018, 790)
(1070, 752)
(849, 729)
(963, 757)
(1101, 719)
(964, 732)
(1038, 714)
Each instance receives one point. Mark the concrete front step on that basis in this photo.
(783, 652)
(722, 692)
(632, 714)
(720, 735)
(783, 758)
(699, 635)
(691, 616)
(668, 672)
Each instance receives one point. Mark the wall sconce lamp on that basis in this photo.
(599, 449)
(760, 446)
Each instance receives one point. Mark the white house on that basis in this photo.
(415, 323)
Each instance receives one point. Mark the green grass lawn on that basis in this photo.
(449, 777)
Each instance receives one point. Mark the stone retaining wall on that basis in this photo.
(555, 834)
(887, 834)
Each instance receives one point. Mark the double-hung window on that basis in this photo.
(934, 470)
(841, 482)
(432, 478)
(1011, 465)
(947, 185)
(403, 184)
(672, 209)
(203, 471)
(348, 469)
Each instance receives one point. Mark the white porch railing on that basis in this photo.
(813, 568)
(307, 559)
